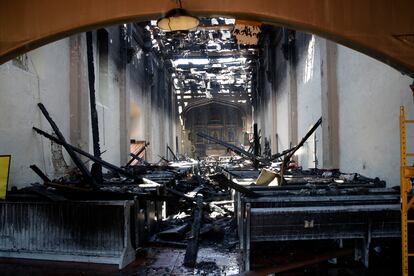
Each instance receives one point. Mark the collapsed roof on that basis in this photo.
(207, 62)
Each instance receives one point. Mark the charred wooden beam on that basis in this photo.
(223, 180)
(170, 150)
(135, 156)
(176, 145)
(234, 148)
(175, 233)
(298, 146)
(39, 172)
(84, 171)
(292, 151)
(96, 167)
(256, 146)
(42, 191)
(84, 153)
(283, 153)
(187, 197)
(179, 194)
(70, 187)
(190, 258)
(163, 158)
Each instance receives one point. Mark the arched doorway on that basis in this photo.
(220, 119)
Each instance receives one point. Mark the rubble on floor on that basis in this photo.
(196, 215)
(211, 261)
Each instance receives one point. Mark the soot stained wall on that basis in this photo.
(357, 97)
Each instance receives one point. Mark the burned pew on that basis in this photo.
(149, 199)
(77, 231)
(360, 222)
(305, 212)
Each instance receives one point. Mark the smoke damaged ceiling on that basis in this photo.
(206, 62)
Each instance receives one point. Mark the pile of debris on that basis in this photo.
(185, 203)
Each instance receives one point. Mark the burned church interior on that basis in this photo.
(206, 138)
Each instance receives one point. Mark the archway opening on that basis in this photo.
(225, 79)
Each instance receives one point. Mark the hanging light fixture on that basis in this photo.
(177, 20)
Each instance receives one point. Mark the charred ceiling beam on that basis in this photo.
(228, 46)
(230, 87)
(207, 61)
(213, 55)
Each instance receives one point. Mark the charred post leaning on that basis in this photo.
(96, 167)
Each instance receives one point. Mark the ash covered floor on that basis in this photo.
(154, 261)
(213, 260)
(210, 261)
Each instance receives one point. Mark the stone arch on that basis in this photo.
(219, 118)
(380, 28)
(204, 101)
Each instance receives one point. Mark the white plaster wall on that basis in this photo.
(167, 133)
(109, 117)
(156, 140)
(107, 104)
(370, 95)
(149, 118)
(265, 125)
(148, 123)
(308, 77)
(137, 111)
(140, 104)
(47, 81)
(282, 110)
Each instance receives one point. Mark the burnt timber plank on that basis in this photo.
(84, 153)
(190, 258)
(40, 173)
(42, 191)
(223, 180)
(85, 172)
